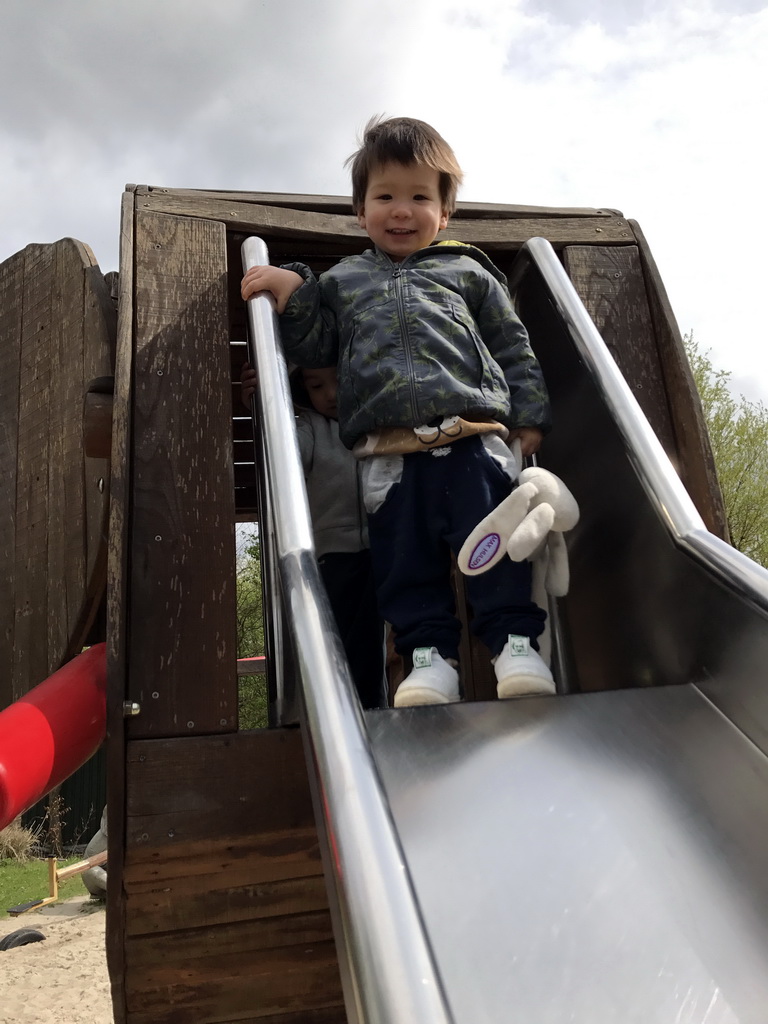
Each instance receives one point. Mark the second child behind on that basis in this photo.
(339, 526)
(435, 374)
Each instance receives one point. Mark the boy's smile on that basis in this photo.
(402, 211)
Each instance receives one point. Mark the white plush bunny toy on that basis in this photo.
(528, 524)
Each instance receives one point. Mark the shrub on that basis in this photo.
(17, 842)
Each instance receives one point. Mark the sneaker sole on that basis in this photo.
(525, 686)
(417, 695)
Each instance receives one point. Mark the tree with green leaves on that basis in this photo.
(250, 617)
(252, 703)
(738, 432)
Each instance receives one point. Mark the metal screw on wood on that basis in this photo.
(159, 373)
(190, 725)
(131, 708)
(222, 721)
(155, 695)
(158, 537)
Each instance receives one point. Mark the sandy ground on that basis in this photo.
(62, 980)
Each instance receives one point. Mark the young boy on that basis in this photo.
(435, 374)
(339, 526)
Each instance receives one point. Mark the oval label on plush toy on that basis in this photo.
(484, 551)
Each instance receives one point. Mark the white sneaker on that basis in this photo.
(432, 681)
(521, 671)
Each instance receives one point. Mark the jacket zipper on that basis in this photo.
(397, 271)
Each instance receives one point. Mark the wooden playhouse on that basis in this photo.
(218, 910)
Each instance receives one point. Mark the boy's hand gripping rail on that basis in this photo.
(393, 977)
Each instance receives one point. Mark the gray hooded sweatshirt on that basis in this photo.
(332, 475)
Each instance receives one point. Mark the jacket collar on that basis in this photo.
(443, 248)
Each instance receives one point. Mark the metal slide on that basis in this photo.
(592, 858)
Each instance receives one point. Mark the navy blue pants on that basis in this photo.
(348, 579)
(437, 503)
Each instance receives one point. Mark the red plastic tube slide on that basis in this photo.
(47, 734)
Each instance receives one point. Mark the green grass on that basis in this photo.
(20, 883)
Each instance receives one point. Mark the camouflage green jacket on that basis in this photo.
(417, 341)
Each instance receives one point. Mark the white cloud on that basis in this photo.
(652, 108)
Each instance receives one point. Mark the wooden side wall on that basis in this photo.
(624, 295)
(181, 597)
(217, 909)
(56, 333)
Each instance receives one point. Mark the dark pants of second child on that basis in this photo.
(348, 579)
(439, 500)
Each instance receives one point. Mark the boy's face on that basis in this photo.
(321, 388)
(402, 210)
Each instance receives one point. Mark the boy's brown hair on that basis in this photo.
(406, 141)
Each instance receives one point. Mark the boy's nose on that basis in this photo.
(401, 210)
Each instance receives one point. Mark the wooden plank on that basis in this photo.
(225, 988)
(697, 464)
(30, 663)
(232, 939)
(325, 1015)
(242, 860)
(288, 962)
(306, 225)
(343, 204)
(197, 788)
(11, 294)
(65, 570)
(117, 614)
(182, 598)
(217, 903)
(610, 283)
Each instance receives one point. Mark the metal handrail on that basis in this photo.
(652, 465)
(393, 975)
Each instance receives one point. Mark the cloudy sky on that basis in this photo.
(653, 107)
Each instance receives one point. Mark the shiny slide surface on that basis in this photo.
(601, 856)
(591, 858)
